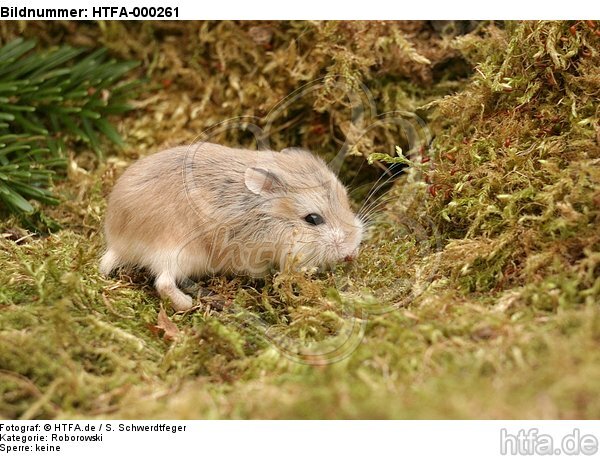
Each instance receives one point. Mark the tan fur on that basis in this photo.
(205, 209)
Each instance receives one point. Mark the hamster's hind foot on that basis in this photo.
(109, 262)
(166, 286)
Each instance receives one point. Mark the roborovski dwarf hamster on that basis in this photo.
(197, 210)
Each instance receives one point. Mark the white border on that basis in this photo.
(363, 10)
(276, 438)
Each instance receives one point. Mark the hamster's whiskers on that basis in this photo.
(368, 210)
(379, 183)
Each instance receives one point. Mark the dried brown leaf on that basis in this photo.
(164, 323)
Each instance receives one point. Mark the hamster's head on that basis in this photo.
(305, 208)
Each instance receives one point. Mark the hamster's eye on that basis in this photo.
(314, 219)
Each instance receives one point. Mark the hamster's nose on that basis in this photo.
(348, 258)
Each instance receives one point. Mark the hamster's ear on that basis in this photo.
(262, 181)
